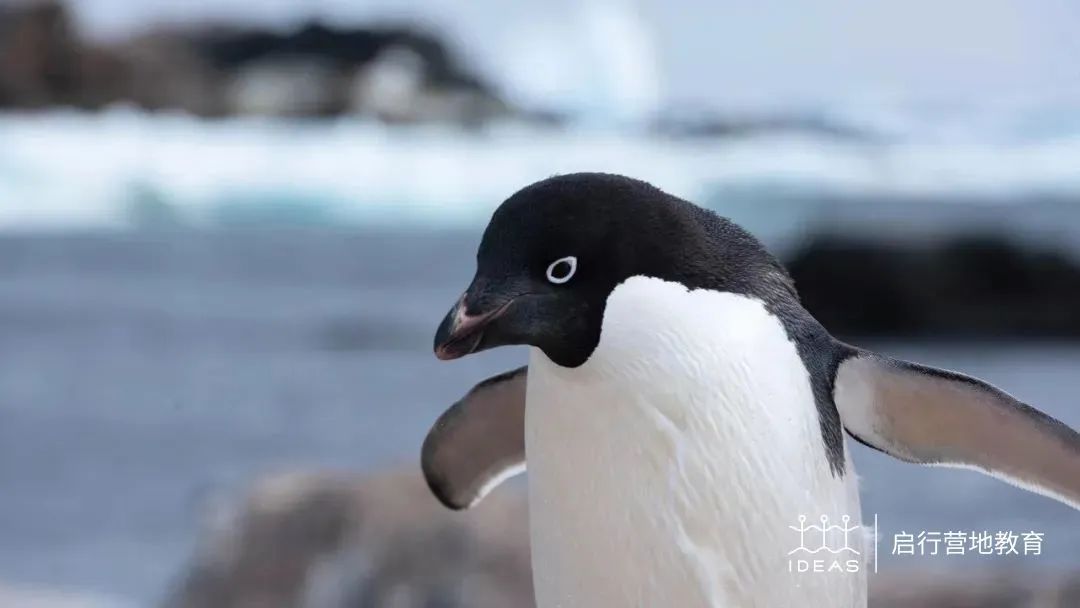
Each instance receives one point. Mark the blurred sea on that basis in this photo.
(146, 376)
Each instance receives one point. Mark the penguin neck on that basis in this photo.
(678, 453)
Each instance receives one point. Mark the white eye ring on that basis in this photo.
(571, 260)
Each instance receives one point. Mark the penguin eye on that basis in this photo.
(562, 269)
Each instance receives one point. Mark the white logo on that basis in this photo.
(824, 530)
(832, 541)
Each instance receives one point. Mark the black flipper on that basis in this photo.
(479, 442)
(930, 416)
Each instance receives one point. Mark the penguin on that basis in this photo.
(681, 413)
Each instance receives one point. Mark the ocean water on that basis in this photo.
(146, 376)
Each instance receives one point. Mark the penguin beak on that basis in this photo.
(481, 320)
(460, 333)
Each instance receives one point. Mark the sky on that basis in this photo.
(640, 55)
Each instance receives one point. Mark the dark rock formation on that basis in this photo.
(230, 49)
(333, 541)
(398, 74)
(164, 71)
(394, 73)
(963, 287)
(43, 62)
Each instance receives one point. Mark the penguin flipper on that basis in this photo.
(930, 416)
(479, 442)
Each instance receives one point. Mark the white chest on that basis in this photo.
(666, 470)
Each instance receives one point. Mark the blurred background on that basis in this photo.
(228, 230)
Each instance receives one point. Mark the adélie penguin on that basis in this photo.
(682, 415)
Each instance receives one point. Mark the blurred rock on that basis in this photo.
(964, 287)
(335, 541)
(394, 74)
(166, 72)
(39, 55)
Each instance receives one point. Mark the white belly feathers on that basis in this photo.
(667, 469)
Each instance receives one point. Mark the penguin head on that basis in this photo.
(554, 251)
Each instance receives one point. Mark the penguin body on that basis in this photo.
(683, 416)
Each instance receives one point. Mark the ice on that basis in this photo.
(125, 169)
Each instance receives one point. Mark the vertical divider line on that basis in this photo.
(877, 539)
